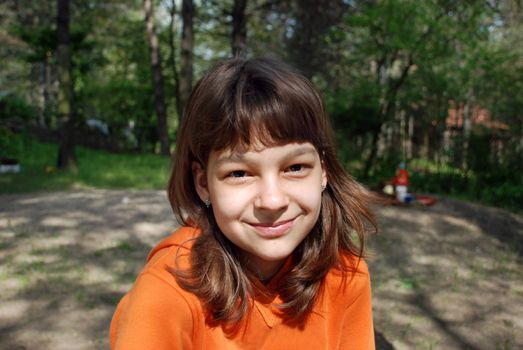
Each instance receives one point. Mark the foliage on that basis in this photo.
(10, 144)
(355, 111)
(14, 109)
(501, 187)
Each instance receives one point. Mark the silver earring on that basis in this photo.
(323, 187)
(207, 202)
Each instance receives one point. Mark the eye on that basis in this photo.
(238, 173)
(296, 168)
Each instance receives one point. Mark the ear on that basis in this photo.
(324, 178)
(200, 181)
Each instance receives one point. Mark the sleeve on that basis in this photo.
(358, 329)
(154, 315)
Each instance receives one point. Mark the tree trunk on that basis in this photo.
(373, 152)
(186, 59)
(239, 29)
(410, 136)
(466, 131)
(306, 47)
(172, 61)
(156, 66)
(42, 96)
(66, 154)
(403, 134)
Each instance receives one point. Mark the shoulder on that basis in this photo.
(180, 239)
(351, 298)
(155, 313)
(156, 305)
(171, 253)
(348, 286)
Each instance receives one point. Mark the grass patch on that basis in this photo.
(96, 169)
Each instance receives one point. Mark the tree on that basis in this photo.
(120, 90)
(384, 54)
(28, 38)
(172, 60)
(186, 59)
(309, 25)
(156, 67)
(66, 152)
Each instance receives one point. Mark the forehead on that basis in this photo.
(258, 151)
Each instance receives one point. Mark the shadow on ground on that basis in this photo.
(445, 277)
(66, 259)
(449, 277)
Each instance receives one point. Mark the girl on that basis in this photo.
(270, 251)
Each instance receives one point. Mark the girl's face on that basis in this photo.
(265, 200)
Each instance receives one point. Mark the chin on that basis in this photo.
(276, 257)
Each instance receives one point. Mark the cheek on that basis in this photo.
(308, 194)
(228, 204)
(312, 200)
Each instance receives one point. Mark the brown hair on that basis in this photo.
(236, 103)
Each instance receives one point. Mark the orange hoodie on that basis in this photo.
(158, 314)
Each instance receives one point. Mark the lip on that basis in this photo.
(273, 230)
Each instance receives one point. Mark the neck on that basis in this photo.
(263, 271)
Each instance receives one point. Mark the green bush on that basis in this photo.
(15, 109)
(490, 190)
(10, 144)
(507, 195)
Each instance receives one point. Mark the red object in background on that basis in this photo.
(425, 200)
(402, 178)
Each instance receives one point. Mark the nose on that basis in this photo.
(271, 195)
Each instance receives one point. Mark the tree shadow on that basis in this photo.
(67, 258)
(437, 276)
(505, 227)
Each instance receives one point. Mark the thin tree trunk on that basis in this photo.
(66, 154)
(446, 146)
(466, 131)
(403, 134)
(239, 29)
(186, 59)
(172, 61)
(156, 66)
(373, 152)
(47, 92)
(42, 96)
(410, 136)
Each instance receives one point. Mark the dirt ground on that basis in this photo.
(448, 276)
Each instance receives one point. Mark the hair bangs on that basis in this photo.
(265, 112)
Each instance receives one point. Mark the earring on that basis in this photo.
(323, 187)
(207, 202)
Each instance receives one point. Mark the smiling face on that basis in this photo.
(265, 200)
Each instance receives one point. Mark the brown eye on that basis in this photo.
(296, 168)
(237, 173)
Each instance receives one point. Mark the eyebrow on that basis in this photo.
(237, 157)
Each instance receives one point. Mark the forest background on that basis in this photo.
(92, 91)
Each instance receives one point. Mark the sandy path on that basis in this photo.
(445, 277)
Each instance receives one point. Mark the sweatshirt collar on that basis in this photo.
(267, 297)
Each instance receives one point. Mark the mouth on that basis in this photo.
(273, 230)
